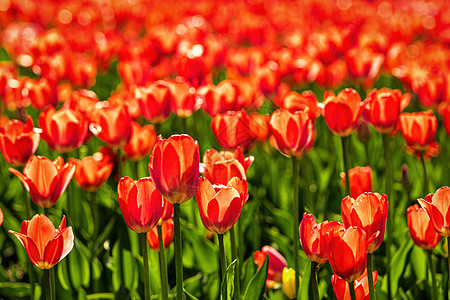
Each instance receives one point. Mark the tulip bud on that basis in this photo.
(406, 181)
(288, 279)
(363, 132)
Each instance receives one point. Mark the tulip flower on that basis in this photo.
(360, 180)
(93, 171)
(182, 100)
(277, 263)
(341, 112)
(437, 206)
(347, 253)
(232, 130)
(219, 205)
(421, 229)
(369, 212)
(141, 142)
(154, 100)
(111, 124)
(167, 235)
(418, 129)
(45, 245)
(1, 217)
(63, 130)
(219, 99)
(41, 92)
(383, 108)
(293, 132)
(361, 284)
(220, 166)
(444, 110)
(44, 179)
(288, 279)
(174, 167)
(305, 101)
(140, 202)
(18, 141)
(167, 213)
(259, 126)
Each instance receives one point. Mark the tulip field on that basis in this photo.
(251, 149)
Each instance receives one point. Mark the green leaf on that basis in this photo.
(255, 287)
(63, 274)
(204, 251)
(419, 257)
(398, 263)
(193, 285)
(79, 269)
(248, 271)
(230, 279)
(303, 288)
(100, 296)
(13, 290)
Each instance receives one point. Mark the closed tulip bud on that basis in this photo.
(341, 112)
(18, 141)
(363, 132)
(361, 284)
(420, 228)
(63, 130)
(288, 279)
(277, 263)
(418, 129)
(45, 245)
(437, 206)
(232, 130)
(140, 202)
(174, 167)
(167, 234)
(220, 166)
(406, 181)
(44, 179)
(360, 180)
(220, 205)
(154, 100)
(369, 212)
(293, 132)
(141, 141)
(93, 171)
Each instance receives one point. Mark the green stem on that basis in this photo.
(136, 169)
(296, 219)
(237, 273)
(178, 257)
(223, 268)
(30, 265)
(370, 276)
(162, 265)
(193, 212)
(146, 266)
(351, 285)
(388, 191)
(425, 177)
(433, 273)
(119, 163)
(315, 287)
(48, 285)
(344, 142)
(94, 208)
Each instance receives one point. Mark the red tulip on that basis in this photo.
(1, 217)
(111, 124)
(232, 130)
(360, 180)
(420, 228)
(293, 132)
(167, 233)
(41, 92)
(220, 205)
(444, 110)
(341, 112)
(311, 237)
(174, 167)
(305, 101)
(45, 180)
(82, 100)
(167, 213)
(276, 264)
(93, 171)
(141, 142)
(63, 130)
(45, 245)
(361, 284)
(140, 202)
(347, 253)
(182, 100)
(418, 129)
(18, 141)
(437, 206)
(219, 99)
(383, 108)
(369, 212)
(154, 100)
(259, 126)
(220, 166)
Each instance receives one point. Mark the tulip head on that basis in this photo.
(93, 171)
(437, 206)
(361, 284)
(418, 129)
(141, 141)
(288, 279)
(167, 235)
(277, 263)
(421, 229)
(232, 130)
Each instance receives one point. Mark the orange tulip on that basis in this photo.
(174, 167)
(220, 166)
(293, 132)
(437, 206)
(341, 112)
(141, 142)
(167, 234)
(63, 130)
(259, 126)
(361, 284)
(219, 99)
(182, 100)
(420, 228)
(93, 171)
(418, 129)
(154, 100)
(18, 141)
(45, 180)
(383, 108)
(360, 180)
(167, 213)
(41, 92)
(220, 205)
(276, 264)
(305, 101)
(369, 212)
(140, 202)
(45, 245)
(232, 129)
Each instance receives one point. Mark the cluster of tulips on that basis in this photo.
(105, 81)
